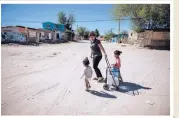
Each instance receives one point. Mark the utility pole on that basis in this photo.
(119, 31)
(119, 27)
(71, 32)
(77, 32)
(111, 34)
(71, 26)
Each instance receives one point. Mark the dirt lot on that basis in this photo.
(45, 80)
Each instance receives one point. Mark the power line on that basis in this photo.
(75, 21)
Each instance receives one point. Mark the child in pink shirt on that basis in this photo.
(117, 65)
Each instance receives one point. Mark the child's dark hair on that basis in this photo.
(117, 52)
(86, 61)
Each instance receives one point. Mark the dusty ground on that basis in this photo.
(45, 80)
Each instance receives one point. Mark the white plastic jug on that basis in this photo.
(109, 79)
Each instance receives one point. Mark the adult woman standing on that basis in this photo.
(96, 55)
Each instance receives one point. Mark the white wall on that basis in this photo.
(134, 35)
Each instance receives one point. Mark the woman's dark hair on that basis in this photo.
(86, 61)
(92, 33)
(117, 52)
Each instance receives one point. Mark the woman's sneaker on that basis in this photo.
(95, 78)
(100, 79)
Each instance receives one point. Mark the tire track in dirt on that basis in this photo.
(27, 73)
(38, 80)
(46, 89)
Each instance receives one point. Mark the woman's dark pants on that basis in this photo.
(96, 60)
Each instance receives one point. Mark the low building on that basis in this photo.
(30, 35)
(58, 29)
(155, 38)
(12, 34)
(19, 34)
(45, 35)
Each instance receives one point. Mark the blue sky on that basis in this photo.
(18, 14)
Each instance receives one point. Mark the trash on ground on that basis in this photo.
(149, 102)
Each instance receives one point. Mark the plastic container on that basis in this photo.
(115, 73)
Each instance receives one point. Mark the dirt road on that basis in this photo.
(45, 80)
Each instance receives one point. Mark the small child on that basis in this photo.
(117, 65)
(87, 73)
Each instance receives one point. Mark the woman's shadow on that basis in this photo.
(131, 88)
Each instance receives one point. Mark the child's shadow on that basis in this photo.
(102, 94)
(128, 88)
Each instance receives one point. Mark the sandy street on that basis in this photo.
(45, 80)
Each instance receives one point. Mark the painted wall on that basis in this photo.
(13, 36)
(52, 26)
